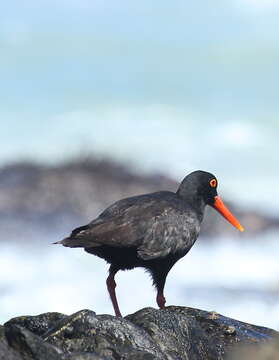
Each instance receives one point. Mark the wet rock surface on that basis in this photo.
(171, 334)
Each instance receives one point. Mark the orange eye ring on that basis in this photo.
(213, 183)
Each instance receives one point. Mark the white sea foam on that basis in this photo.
(236, 278)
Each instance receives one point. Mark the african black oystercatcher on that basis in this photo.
(152, 231)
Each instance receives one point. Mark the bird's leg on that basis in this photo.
(160, 299)
(159, 279)
(111, 285)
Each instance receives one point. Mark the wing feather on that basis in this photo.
(152, 224)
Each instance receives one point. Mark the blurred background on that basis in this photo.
(101, 100)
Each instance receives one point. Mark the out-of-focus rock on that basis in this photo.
(267, 351)
(176, 333)
(37, 201)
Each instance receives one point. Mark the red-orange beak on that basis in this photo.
(221, 208)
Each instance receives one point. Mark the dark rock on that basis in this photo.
(7, 353)
(197, 334)
(175, 333)
(37, 324)
(29, 345)
(106, 335)
(82, 356)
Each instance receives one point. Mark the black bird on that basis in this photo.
(152, 231)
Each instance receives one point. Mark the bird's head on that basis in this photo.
(201, 186)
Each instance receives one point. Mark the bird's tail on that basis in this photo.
(77, 238)
(70, 242)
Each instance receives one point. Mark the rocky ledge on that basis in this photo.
(171, 334)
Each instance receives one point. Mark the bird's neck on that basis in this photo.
(194, 201)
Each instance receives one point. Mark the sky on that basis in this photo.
(164, 86)
(60, 56)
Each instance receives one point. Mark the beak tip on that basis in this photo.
(221, 208)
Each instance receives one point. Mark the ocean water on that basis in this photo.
(172, 140)
(237, 278)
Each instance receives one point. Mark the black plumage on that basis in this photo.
(152, 231)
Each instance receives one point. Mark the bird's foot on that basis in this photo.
(161, 300)
(117, 313)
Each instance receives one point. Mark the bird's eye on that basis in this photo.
(213, 183)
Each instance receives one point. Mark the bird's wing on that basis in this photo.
(170, 232)
(151, 224)
(123, 224)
